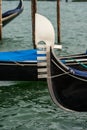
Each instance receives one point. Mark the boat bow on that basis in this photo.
(67, 84)
(11, 14)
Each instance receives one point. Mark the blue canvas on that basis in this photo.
(22, 55)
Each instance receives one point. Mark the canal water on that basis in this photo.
(28, 105)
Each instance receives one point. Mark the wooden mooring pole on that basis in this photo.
(33, 11)
(0, 19)
(58, 21)
(66, 0)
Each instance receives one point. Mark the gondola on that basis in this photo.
(67, 80)
(26, 65)
(66, 75)
(30, 64)
(8, 16)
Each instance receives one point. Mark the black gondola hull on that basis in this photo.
(20, 71)
(67, 91)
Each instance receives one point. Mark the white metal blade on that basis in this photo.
(44, 31)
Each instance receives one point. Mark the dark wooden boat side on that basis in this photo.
(67, 91)
(24, 65)
(11, 14)
(18, 71)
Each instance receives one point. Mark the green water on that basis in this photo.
(28, 105)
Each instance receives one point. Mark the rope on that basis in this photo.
(59, 75)
(17, 63)
(83, 65)
(54, 76)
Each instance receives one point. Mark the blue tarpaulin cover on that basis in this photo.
(22, 55)
(78, 72)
